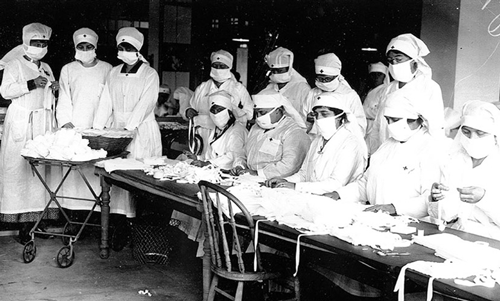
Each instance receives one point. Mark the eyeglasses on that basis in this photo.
(325, 79)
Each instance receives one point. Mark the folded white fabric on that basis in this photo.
(123, 164)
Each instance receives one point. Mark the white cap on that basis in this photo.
(221, 98)
(328, 64)
(400, 105)
(85, 35)
(130, 35)
(36, 31)
(279, 58)
(481, 115)
(409, 45)
(377, 67)
(331, 100)
(164, 88)
(222, 56)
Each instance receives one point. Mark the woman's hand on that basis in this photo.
(271, 183)
(236, 171)
(40, 81)
(333, 195)
(471, 194)
(190, 113)
(285, 184)
(387, 208)
(55, 86)
(437, 191)
(200, 163)
(68, 125)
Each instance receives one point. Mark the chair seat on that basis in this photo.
(274, 266)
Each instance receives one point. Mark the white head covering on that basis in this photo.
(412, 47)
(377, 67)
(279, 58)
(130, 35)
(36, 31)
(85, 35)
(222, 56)
(164, 88)
(33, 31)
(481, 115)
(400, 105)
(221, 98)
(270, 98)
(328, 64)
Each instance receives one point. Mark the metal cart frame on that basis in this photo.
(66, 254)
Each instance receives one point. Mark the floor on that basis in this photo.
(119, 277)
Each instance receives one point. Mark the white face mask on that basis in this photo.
(85, 57)
(478, 148)
(402, 71)
(220, 119)
(327, 126)
(264, 121)
(36, 53)
(220, 75)
(129, 58)
(400, 130)
(280, 78)
(330, 86)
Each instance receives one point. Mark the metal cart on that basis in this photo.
(66, 254)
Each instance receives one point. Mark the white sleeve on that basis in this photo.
(105, 108)
(14, 84)
(146, 103)
(64, 109)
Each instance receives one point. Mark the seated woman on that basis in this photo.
(337, 156)
(227, 141)
(401, 171)
(466, 196)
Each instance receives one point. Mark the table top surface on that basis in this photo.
(328, 243)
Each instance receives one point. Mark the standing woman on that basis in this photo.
(22, 196)
(82, 82)
(129, 99)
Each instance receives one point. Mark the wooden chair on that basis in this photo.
(228, 243)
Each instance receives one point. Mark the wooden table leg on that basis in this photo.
(105, 199)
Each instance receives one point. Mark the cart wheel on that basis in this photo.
(64, 259)
(69, 229)
(29, 251)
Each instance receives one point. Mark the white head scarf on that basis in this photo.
(279, 58)
(337, 101)
(221, 98)
(452, 119)
(412, 47)
(269, 98)
(132, 36)
(381, 68)
(481, 115)
(85, 35)
(222, 56)
(33, 31)
(328, 64)
(401, 105)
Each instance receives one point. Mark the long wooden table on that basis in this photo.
(320, 249)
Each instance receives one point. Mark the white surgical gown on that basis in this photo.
(295, 91)
(430, 105)
(483, 217)
(80, 90)
(277, 152)
(341, 161)
(400, 174)
(355, 106)
(130, 99)
(228, 148)
(242, 104)
(370, 105)
(20, 190)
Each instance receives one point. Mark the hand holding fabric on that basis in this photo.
(271, 183)
(471, 194)
(333, 195)
(68, 125)
(40, 81)
(437, 191)
(285, 184)
(191, 113)
(55, 86)
(388, 208)
(199, 163)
